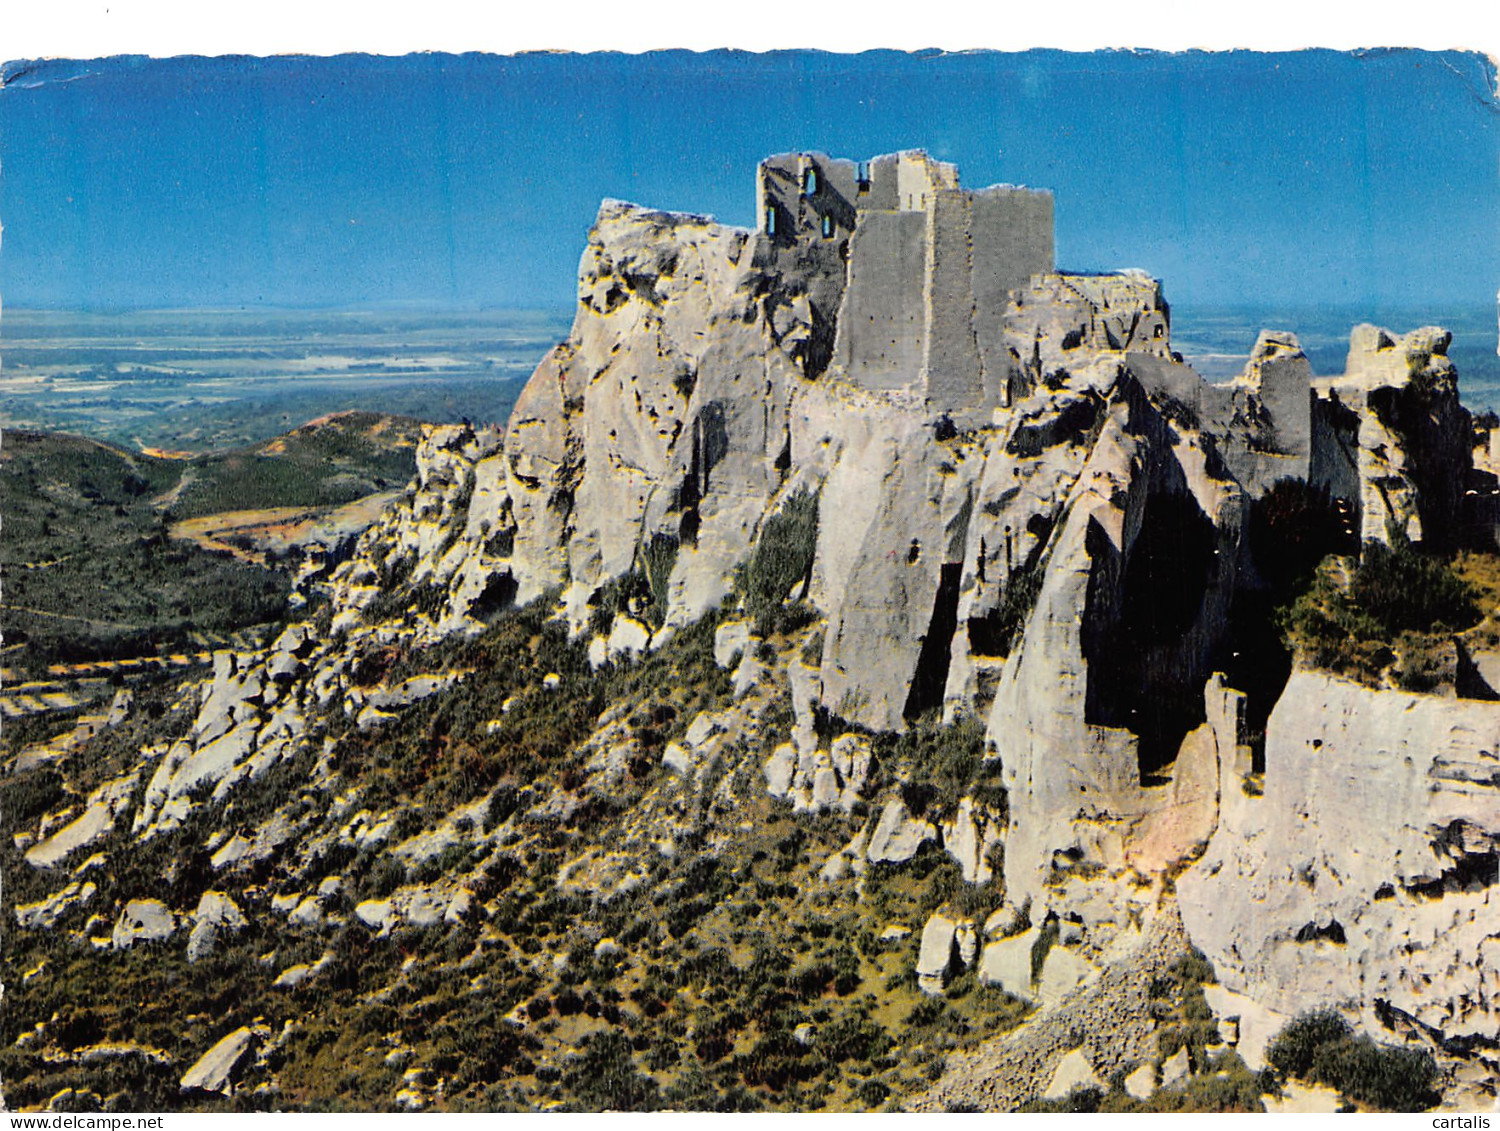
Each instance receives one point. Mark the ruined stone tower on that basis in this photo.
(919, 270)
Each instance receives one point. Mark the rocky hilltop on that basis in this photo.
(873, 525)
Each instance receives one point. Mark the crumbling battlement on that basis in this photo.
(920, 271)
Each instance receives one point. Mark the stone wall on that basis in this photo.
(882, 332)
(954, 375)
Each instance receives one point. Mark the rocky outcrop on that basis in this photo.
(96, 821)
(1391, 436)
(143, 920)
(216, 1069)
(948, 948)
(1106, 1018)
(1021, 509)
(217, 917)
(1366, 872)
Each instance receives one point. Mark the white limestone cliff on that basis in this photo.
(1365, 875)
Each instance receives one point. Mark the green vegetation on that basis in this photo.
(334, 460)
(1291, 1051)
(1321, 1048)
(737, 980)
(782, 560)
(90, 572)
(936, 763)
(1396, 611)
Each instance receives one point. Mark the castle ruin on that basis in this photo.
(917, 271)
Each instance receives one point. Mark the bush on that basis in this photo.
(1320, 1047)
(605, 1077)
(1291, 1050)
(782, 558)
(1396, 594)
(1383, 1076)
(1402, 589)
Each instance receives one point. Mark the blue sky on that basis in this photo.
(1357, 180)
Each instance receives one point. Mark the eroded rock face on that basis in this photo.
(1102, 685)
(1056, 554)
(1396, 411)
(1366, 872)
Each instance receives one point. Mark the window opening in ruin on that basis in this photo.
(770, 219)
(810, 181)
(828, 227)
(862, 177)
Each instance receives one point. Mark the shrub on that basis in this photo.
(1402, 589)
(1320, 1047)
(1396, 593)
(782, 558)
(605, 1076)
(1039, 949)
(1383, 1076)
(1291, 1051)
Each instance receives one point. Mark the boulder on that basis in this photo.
(628, 638)
(1007, 963)
(703, 727)
(214, 1071)
(897, 835)
(835, 868)
(779, 769)
(217, 916)
(292, 977)
(1253, 1024)
(731, 639)
(46, 913)
(379, 913)
(1141, 1084)
(748, 675)
(969, 838)
(677, 758)
(825, 786)
(1072, 1073)
(104, 805)
(939, 955)
(1176, 1068)
(143, 920)
(307, 913)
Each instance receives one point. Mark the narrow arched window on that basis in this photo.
(770, 219)
(810, 181)
(828, 227)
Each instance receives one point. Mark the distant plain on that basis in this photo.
(210, 380)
